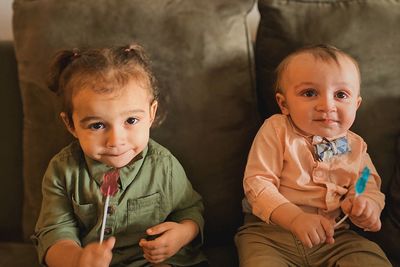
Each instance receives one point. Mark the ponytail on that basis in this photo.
(61, 61)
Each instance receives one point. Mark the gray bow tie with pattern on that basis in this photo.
(325, 149)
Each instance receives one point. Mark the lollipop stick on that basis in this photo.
(341, 220)
(103, 224)
(359, 189)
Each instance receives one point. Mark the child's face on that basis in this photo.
(112, 127)
(321, 97)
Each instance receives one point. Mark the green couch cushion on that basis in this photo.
(11, 135)
(366, 29)
(18, 255)
(201, 56)
(393, 197)
(391, 231)
(388, 236)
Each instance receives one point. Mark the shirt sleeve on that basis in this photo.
(56, 220)
(264, 166)
(186, 202)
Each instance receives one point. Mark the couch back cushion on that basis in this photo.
(11, 136)
(367, 30)
(201, 56)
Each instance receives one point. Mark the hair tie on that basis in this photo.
(129, 49)
(132, 47)
(75, 53)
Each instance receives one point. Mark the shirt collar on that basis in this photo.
(127, 173)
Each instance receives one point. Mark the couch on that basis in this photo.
(216, 86)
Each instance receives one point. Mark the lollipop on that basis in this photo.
(108, 188)
(359, 188)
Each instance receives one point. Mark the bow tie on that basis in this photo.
(325, 149)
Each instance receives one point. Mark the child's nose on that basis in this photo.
(116, 137)
(326, 104)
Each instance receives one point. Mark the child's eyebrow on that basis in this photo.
(302, 84)
(139, 110)
(125, 113)
(89, 118)
(133, 111)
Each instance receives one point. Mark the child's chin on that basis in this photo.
(117, 163)
(328, 134)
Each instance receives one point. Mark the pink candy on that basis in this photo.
(109, 187)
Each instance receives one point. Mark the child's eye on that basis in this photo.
(309, 93)
(96, 126)
(132, 121)
(342, 95)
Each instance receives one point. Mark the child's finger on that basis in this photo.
(374, 226)
(109, 243)
(321, 235)
(153, 244)
(330, 240)
(314, 238)
(347, 205)
(155, 252)
(149, 245)
(306, 241)
(358, 207)
(159, 228)
(154, 259)
(328, 228)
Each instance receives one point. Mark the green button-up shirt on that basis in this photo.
(153, 188)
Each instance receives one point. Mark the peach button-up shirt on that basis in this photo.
(282, 167)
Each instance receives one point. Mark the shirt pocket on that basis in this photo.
(86, 215)
(143, 213)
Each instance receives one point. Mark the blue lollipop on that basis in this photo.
(362, 181)
(359, 188)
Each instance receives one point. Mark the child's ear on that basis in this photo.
(153, 110)
(281, 100)
(68, 124)
(359, 100)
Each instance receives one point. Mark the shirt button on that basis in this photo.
(107, 231)
(111, 210)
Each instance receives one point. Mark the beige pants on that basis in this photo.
(261, 245)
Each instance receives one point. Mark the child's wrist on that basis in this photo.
(286, 214)
(192, 229)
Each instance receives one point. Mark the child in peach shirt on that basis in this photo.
(295, 192)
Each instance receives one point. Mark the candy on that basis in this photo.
(359, 188)
(108, 188)
(362, 181)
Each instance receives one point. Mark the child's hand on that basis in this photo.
(96, 254)
(363, 212)
(312, 229)
(173, 236)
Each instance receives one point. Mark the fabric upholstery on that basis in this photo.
(11, 157)
(202, 57)
(393, 200)
(391, 230)
(367, 30)
(18, 255)
(389, 235)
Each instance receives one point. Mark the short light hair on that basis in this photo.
(323, 52)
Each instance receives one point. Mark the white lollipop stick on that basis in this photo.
(359, 188)
(103, 224)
